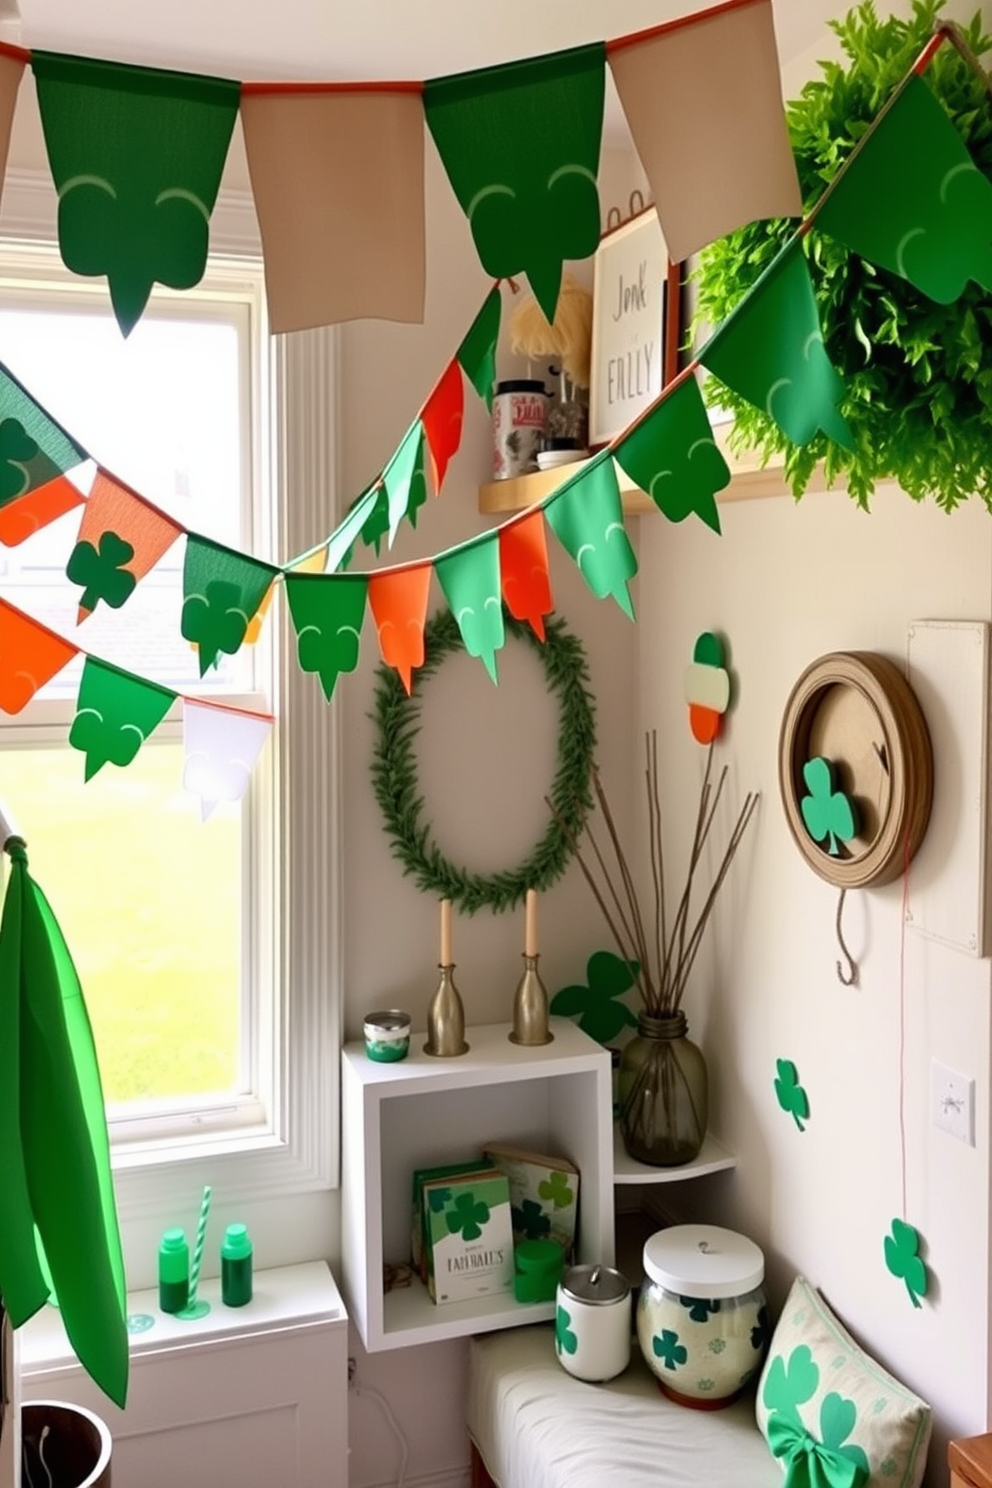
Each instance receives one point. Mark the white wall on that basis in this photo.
(786, 584)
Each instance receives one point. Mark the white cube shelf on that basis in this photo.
(423, 1111)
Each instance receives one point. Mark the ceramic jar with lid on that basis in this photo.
(702, 1323)
(593, 1323)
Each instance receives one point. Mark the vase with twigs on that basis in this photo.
(663, 1082)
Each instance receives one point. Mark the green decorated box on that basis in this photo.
(469, 1236)
(544, 1194)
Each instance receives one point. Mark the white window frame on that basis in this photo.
(297, 853)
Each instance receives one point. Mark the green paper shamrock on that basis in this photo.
(530, 1220)
(102, 572)
(838, 1418)
(668, 1349)
(827, 812)
(599, 1013)
(699, 1308)
(791, 1095)
(789, 1385)
(904, 1261)
(327, 613)
(555, 1190)
(565, 1339)
(467, 1216)
(16, 449)
(215, 621)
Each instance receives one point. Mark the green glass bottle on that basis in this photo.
(173, 1271)
(235, 1266)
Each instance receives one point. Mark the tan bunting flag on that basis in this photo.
(11, 69)
(338, 180)
(703, 98)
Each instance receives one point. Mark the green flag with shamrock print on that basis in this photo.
(914, 201)
(34, 449)
(521, 147)
(327, 611)
(477, 353)
(404, 480)
(115, 713)
(222, 590)
(672, 456)
(136, 154)
(586, 516)
(770, 350)
(470, 580)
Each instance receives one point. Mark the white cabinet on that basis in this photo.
(423, 1111)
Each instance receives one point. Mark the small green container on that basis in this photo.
(387, 1035)
(537, 1268)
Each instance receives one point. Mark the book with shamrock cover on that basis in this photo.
(544, 1194)
(418, 1227)
(470, 1237)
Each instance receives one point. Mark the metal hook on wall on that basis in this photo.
(851, 979)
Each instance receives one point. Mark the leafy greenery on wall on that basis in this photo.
(918, 375)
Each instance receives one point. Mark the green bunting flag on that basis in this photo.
(34, 449)
(477, 353)
(404, 480)
(54, 1147)
(136, 155)
(222, 590)
(770, 350)
(115, 714)
(470, 580)
(914, 201)
(521, 147)
(672, 456)
(327, 611)
(586, 516)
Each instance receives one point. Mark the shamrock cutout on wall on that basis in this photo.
(791, 1095)
(903, 1259)
(467, 1216)
(599, 1012)
(827, 813)
(101, 571)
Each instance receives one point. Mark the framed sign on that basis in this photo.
(634, 347)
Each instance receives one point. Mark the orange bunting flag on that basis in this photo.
(398, 601)
(22, 518)
(442, 420)
(733, 163)
(30, 656)
(523, 561)
(141, 535)
(338, 180)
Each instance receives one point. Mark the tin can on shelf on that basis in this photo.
(702, 1323)
(387, 1035)
(592, 1322)
(520, 411)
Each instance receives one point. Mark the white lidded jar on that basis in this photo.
(702, 1322)
(593, 1323)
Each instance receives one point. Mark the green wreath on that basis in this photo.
(394, 771)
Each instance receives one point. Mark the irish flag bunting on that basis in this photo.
(523, 561)
(140, 533)
(442, 420)
(221, 747)
(115, 714)
(327, 612)
(398, 601)
(30, 656)
(469, 579)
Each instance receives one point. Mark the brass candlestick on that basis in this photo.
(446, 1019)
(530, 1008)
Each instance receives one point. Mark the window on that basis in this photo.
(211, 981)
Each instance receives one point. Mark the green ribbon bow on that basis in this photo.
(807, 1462)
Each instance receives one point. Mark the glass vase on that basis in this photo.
(663, 1092)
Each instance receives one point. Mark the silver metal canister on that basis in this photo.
(520, 412)
(593, 1322)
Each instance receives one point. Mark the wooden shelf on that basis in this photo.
(749, 482)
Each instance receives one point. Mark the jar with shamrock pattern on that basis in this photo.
(702, 1322)
(592, 1322)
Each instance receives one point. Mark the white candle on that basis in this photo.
(446, 932)
(530, 923)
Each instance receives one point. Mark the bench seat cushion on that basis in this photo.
(537, 1427)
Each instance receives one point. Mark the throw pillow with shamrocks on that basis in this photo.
(790, 1384)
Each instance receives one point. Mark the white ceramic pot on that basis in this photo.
(593, 1324)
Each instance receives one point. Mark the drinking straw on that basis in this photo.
(201, 1230)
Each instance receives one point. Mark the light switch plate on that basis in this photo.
(952, 1102)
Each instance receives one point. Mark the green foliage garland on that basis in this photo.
(918, 375)
(394, 771)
